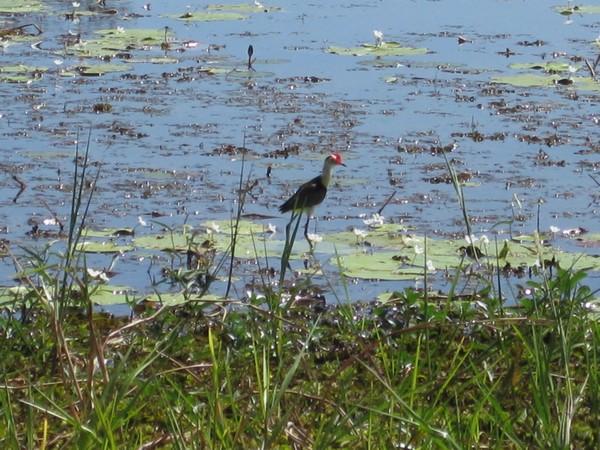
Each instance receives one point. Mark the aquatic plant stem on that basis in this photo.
(461, 201)
(242, 192)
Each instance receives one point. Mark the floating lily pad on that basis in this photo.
(532, 80)
(112, 295)
(583, 9)
(96, 70)
(408, 260)
(551, 66)
(164, 60)
(385, 49)
(21, 73)
(106, 246)
(115, 41)
(206, 16)
(20, 6)
(243, 7)
(377, 266)
(248, 74)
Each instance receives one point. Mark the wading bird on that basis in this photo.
(312, 193)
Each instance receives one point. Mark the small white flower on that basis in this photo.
(430, 266)
(271, 228)
(258, 4)
(472, 239)
(375, 219)
(50, 222)
(572, 69)
(97, 274)
(409, 240)
(315, 238)
(76, 4)
(141, 221)
(213, 228)
(554, 229)
(360, 233)
(120, 30)
(419, 250)
(58, 62)
(378, 38)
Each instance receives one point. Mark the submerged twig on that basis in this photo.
(592, 67)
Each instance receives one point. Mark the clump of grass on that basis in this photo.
(409, 373)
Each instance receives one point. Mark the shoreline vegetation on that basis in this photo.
(287, 369)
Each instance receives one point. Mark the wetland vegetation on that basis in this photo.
(147, 307)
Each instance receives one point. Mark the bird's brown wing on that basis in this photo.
(310, 194)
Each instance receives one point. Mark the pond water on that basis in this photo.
(166, 148)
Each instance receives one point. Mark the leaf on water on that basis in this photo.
(103, 247)
(113, 42)
(583, 9)
(20, 6)
(551, 66)
(164, 60)
(244, 7)
(377, 266)
(527, 80)
(21, 73)
(206, 16)
(385, 49)
(97, 70)
(112, 295)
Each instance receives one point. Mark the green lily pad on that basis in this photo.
(115, 41)
(377, 266)
(107, 246)
(164, 60)
(95, 70)
(551, 66)
(172, 299)
(248, 74)
(527, 80)
(21, 73)
(385, 49)
(112, 295)
(206, 16)
(243, 7)
(583, 9)
(20, 6)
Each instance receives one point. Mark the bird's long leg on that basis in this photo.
(310, 244)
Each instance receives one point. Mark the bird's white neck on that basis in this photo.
(326, 173)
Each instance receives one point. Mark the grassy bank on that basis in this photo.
(407, 374)
(285, 370)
